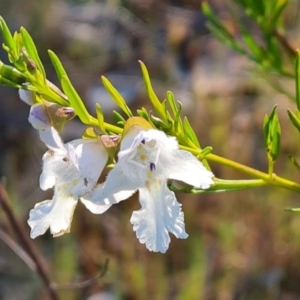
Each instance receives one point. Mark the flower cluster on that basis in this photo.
(146, 160)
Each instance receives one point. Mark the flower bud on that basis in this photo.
(59, 115)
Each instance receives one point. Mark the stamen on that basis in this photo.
(152, 166)
(143, 141)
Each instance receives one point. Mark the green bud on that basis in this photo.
(12, 74)
(8, 39)
(272, 134)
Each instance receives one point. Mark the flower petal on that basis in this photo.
(38, 117)
(51, 139)
(91, 205)
(26, 96)
(184, 166)
(116, 188)
(159, 215)
(91, 157)
(48, 177)
(55, 214)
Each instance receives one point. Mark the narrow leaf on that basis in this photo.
(116, 96)
(100, 118)
(32, 51)
(172, 102)
(276, 137)
(278, 11)
(75, 100)
(151, 94)
(297, 72)
(188, 130)
(7, 37)
(294, 162)
(119, 119)
(60, 71)
(294, 119)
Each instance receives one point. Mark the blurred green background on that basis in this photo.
(241, 245)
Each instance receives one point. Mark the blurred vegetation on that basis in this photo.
(241, 245)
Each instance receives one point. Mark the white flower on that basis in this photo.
(73, 170)
(147, 159)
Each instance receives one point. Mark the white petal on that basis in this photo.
(91, 157)
(59, 169)
(88, 199)
(47, 181)
(129, 138)
(159, 215)
(38, 117)
(48, 178)
(116, 188)
(165, 142)
(52, 139)
(26, 96)
(182, 165)
(55, 214)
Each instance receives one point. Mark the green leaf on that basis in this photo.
(297, 72)
(116, 96)
(151, 94)
(188, 130)
(172, 102)
(226, 39)
(32, 51)
(60, 71)
(75, 100)
(119, 119)
(143, 114)
(220, 31)
(100, 118)
(178, 126)
(278, 11)
(276, 137)
(272, 134)
(294, 119)
(294, 162)
(266, 126)
(7, 37)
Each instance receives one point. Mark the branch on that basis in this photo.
(27, 244)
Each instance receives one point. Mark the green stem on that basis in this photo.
(94, 122)
(222, 185)
(268, 178)
(45, 90)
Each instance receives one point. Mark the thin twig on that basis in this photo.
(83, 284)
(285, 43)
(27, 244)
(18, 250)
